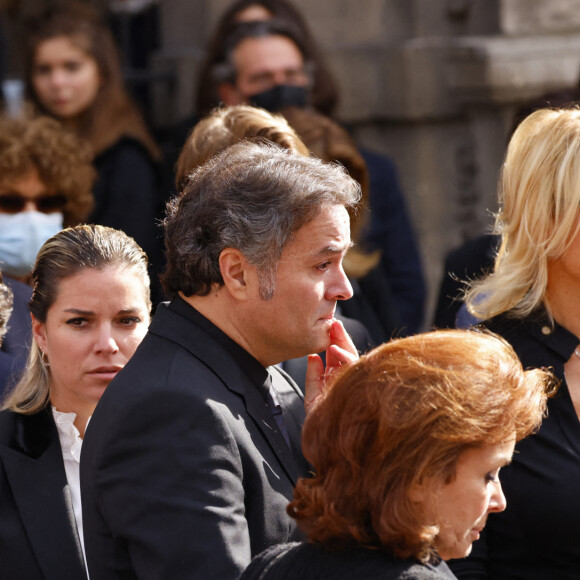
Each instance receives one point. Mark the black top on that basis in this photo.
(128, 197)
(538, 536)
(38, 536)
(307, 561)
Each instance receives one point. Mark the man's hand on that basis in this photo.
(341, 351)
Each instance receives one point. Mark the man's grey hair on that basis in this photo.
(252, 197)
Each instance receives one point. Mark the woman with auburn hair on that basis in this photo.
(406, 445)
(532, 299)
(90, 310)
(73, 73)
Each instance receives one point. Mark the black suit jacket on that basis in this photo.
(38, 538)
(184, 473)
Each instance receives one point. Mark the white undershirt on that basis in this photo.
(71, 443)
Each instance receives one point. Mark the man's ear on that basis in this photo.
(229, 94)
(236, 272)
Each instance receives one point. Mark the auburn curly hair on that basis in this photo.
(403, 413)
(63, 161)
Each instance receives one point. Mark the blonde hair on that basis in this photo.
(539, 198)
(228, 125)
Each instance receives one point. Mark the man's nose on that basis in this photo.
(341, 288)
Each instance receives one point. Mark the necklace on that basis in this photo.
(577, 352)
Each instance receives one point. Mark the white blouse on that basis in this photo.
(71, 443)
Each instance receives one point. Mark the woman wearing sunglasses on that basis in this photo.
(46, 178)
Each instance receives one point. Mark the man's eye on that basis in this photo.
(130, 320)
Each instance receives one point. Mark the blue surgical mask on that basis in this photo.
(22, 235)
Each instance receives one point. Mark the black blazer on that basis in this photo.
(38, 538)
(184, 473)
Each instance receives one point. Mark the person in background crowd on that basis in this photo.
(406, 446)
(73, 73)
(46, 178)
(90, 309)
(190, 459)
(531, 299)
(269, 64)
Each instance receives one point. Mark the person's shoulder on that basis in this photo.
(25, 432)
(127, 149)
(419, 571)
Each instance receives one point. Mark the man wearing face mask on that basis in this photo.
(46, 178)
(266, 64)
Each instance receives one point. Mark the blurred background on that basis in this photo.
(433, 84)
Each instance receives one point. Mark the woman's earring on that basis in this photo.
(44, 359)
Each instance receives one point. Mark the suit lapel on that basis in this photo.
(186, 333)
(40, 490)
(260, 413)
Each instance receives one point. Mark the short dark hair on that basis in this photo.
(252, 197)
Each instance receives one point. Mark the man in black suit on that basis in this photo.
(191, 456)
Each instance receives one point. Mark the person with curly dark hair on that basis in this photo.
(46, 177)
(406, 446)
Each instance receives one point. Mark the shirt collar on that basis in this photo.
(251, 367)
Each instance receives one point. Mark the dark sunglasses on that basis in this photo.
(13, 203)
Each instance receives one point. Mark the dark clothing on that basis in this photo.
(537, 537)
(16, 343)
(310, 562)
(128, 197)
(184, 471)
(470, 261)
(391, 231)
(38, 538)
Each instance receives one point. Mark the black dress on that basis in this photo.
(537, 537)
(310, 562)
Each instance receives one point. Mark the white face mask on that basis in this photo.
(22, 235)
